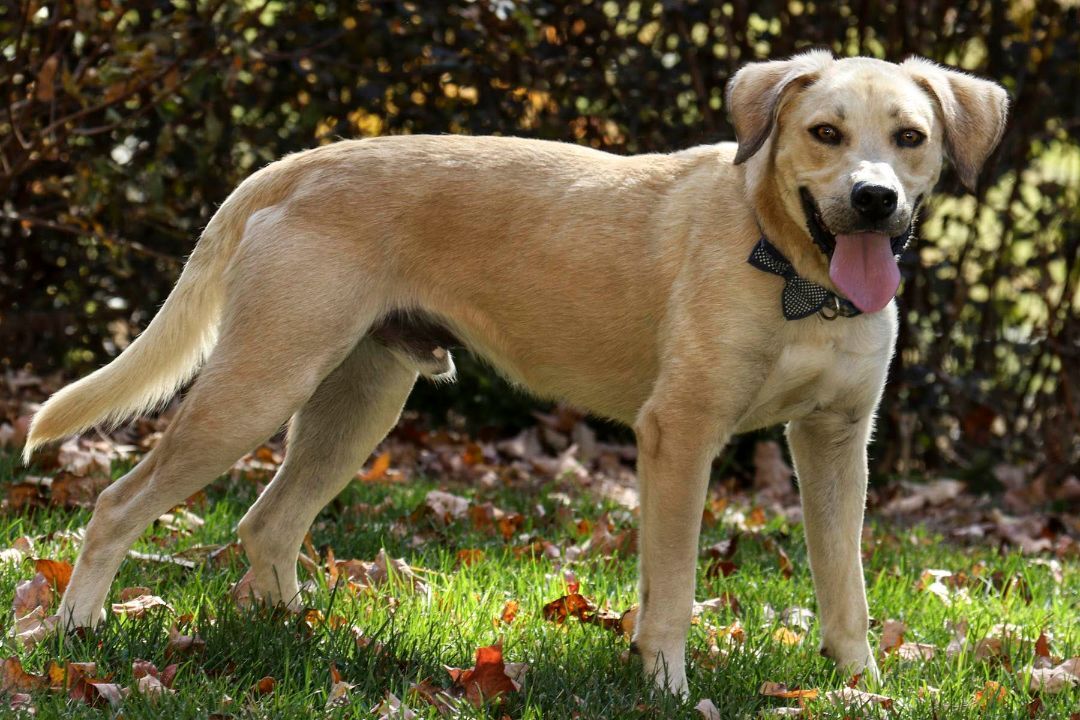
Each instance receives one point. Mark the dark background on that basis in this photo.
(123, 125)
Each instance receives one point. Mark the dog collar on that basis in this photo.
(800, 298)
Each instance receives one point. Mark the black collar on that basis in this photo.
(800, 298)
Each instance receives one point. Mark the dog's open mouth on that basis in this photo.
(862, 265)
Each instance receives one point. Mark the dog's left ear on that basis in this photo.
(974, 112)
(755, 92)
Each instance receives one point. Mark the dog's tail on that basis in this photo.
(175, 343)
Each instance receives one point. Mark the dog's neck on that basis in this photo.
(790, 237)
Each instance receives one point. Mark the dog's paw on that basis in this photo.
(73, 622)
(665, 668)
(854, 658)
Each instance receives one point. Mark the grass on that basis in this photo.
(575, 670)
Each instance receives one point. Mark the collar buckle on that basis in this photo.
(831, 309)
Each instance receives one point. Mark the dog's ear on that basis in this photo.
(973, 111)
(755, 92)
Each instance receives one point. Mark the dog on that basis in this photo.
(691, 296)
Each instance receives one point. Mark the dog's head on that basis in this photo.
(847, 149)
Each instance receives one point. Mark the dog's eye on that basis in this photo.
(909, 138)
(826, 134)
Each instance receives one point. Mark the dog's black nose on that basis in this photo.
(874, 202)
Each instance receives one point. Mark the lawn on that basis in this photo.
(389, 632)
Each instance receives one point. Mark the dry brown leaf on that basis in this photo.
(13, 678)
(243, 590)
(391, 708)
(138, 606)
(130, 593)
(1052, 680)
(858, 699)
(22, 703)
(572, 605)
(339, 690)
(33, 593)
(892, 635)
(181, 644)
(707, 709)
(913, 651)
(780, 690)
(34, 626)
(446, 507)
(264, 686)
(488, 678)
(723, 601)
(444, 703)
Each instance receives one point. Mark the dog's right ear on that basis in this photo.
(755, 92)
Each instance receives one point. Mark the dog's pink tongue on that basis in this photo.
(864, 270)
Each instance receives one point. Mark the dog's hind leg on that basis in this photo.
(329, 439)
(293, 314)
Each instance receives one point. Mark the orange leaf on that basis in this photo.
(378, 468)
(57, 572)
(510, 611)
(780, 690)
(468, 557)
(992, 692)
(265, 686)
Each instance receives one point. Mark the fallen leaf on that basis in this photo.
(913, 651)
(1052, 680)
(181, 644)
(786, 636)
(339, 690)
(707, 709)
(444, 703)
(35, 626)
(509, 611)
(780, 690)
(446, 507)
(130, 593)
(33, 593)
(391, 708)
(469, 557)
(243, 590)
(572, 605)
(138, 607)
(13, 678)
(22, 703)
(57, 572)
(852, 698)
(892, 635)
(264, 686)
(151, 686)
(378, 468)
(991, 693)
(487, 679)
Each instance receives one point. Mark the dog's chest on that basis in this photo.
(833, 370)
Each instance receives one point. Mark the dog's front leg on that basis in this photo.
(829, 450)
(677, 442)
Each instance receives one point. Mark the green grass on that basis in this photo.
(575, 670)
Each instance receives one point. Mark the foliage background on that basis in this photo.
(123, 125)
